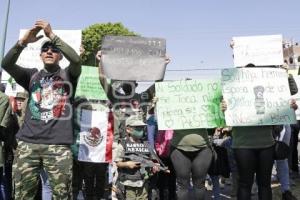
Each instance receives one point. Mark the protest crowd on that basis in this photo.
(172, 141)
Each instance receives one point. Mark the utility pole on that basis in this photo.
(3, 34)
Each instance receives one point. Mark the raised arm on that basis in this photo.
(10, 59)
(103, 81)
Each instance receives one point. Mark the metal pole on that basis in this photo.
(3, 34)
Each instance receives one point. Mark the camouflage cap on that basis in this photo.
(22, 95)
(134, 120)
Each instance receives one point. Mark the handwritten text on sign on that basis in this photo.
(89, 85)
(258, 50)
(133, 58)
(256, 96)
(188, 104)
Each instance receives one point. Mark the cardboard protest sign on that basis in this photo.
(257, 96)
(133, 58)
(89, 85)
(95, 137)
(259, 50)
(188, 104)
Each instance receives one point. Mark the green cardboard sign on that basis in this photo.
(89, 85)
(257, 96)
(189, 104)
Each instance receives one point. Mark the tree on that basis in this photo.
(92, 38)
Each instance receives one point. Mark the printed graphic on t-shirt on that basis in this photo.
(48, 98)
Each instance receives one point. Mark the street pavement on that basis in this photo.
(225, 192)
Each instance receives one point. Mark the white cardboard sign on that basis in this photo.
(258, 50)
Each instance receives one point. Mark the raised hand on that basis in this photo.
(167, 60)
(41, 24)
(293, 104)
(98, 55)
(30, 36)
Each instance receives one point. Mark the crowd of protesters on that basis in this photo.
(36, 135)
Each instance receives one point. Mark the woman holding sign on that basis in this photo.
(254, 153)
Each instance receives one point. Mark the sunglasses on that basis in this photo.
(53, 49)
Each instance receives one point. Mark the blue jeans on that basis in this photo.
(216, 187)
(46, 188)
(282, 168)
(6, 181)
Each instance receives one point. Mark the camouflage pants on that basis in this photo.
(55, 159)
(136, 193)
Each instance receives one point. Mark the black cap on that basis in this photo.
(49, 44)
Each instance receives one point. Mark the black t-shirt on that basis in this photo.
(49, 114)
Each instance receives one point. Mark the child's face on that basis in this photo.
(137, 132)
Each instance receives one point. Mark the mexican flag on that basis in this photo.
(96, 136)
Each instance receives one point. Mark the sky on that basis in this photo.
(197, 32)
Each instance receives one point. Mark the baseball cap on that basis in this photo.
(22, 95)
(48, 44)
(134, 120)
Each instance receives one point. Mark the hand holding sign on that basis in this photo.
(293, 104)
(98, 56)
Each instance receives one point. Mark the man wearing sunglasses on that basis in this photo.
(45, 137)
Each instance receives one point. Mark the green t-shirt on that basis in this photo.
(252, 137)
(190, 139)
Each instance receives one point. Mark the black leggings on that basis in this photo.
(195, 162)
(250, 162)
(95, 179)
(293, 159)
